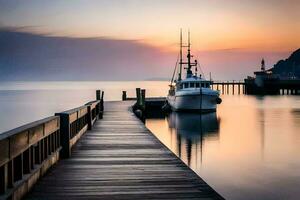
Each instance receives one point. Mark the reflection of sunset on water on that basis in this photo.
(250, 140)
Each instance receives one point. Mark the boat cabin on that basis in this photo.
(193, 83)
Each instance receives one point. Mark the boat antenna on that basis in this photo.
(180, 52)
(190, 64)
(175, 69)
(189, 50)
(201, 71)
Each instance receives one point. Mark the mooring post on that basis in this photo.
(233, 87)
(143, 99)
(138, 96)
(98, 98)
(98, 95)
(101, 106)
(124, 96)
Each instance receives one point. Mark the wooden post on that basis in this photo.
(101, 105)
(143, 99)
(227, 87)
(217, 86)
(89, 117)
(232, 87)
(64, 134)
(138, 96)
(98, 98)
(222, 88)
(124, 96)
(239, 88)
(98, 95)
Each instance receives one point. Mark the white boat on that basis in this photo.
(193, 93)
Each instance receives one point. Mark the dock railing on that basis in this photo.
(27, 152)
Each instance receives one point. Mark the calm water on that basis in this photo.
(24, 102)
(249, 149)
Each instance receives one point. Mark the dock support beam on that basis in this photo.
(222, 88)
(228, 87)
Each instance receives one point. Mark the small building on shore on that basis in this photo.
(262, 82)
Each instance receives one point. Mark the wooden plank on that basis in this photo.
(18, 143)
(121, 159)
(73, 117)
(51, 126)
(82, 112)
(36, 134)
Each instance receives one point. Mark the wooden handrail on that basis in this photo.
(25, 153)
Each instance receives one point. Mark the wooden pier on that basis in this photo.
(236, 87)
(116, 157)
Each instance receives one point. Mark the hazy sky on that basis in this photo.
(215, 24)
(252, 26)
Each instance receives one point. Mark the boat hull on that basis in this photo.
(193, 103)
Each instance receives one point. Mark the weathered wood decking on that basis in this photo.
(121, 159)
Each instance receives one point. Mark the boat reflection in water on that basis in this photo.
(191, 129)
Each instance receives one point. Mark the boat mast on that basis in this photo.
(189, 71)
(180, 63)
(189, 54)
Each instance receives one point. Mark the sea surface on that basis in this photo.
(248, 149)
(24, 102)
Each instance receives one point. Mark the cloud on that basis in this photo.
(28, 56)
(32, 56)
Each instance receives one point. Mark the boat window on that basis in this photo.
(192, 85)
(207, 85)
(186, 85)
(197, 85)
(202, 84)
(180, 86)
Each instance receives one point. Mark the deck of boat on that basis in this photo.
(121, 159)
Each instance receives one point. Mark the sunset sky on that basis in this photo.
(254, 27)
